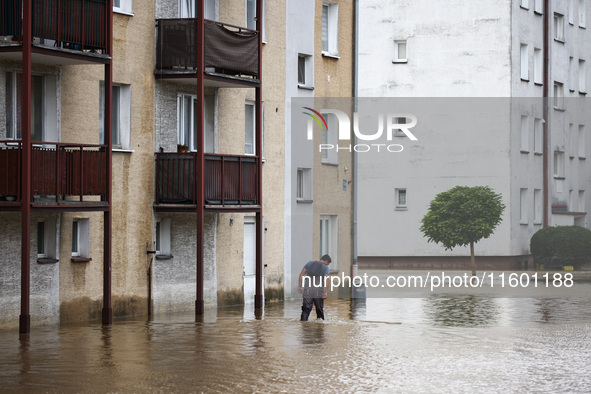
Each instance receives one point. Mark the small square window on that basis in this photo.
(400, 51)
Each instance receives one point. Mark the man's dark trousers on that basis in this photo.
(309, 300)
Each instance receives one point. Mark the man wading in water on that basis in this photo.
(312, 285)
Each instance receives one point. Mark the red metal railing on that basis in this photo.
(57, 169)
(229, 49)
(229, 179)
(72, 24)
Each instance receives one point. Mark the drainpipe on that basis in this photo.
(545, 116)
(354, 266)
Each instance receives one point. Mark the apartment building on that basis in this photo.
(146, 158)
(499, 92)
(318, 190)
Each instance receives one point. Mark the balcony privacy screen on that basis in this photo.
(228, 51)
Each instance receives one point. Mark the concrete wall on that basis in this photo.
(333, 190)
(133, 174)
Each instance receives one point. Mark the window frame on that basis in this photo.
(537, 197)
(121, 116)
(582, 147)
(583, 14)
(39, 98)
(524, 62)
(330, 137)
(558, 98)
(332, 29)
(582, 77)
(125, 7)
(81, 234)
(308, 71)
(399, 204)
(250, 106)
(524, 140)
(162, 237)
(397, 52)
(538, 135)
(538, 66)
(304, 184)
(558, 164)
(558, 26)
(523, 208)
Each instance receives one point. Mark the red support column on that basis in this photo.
(25, 317)
(108, 214)
(259, 300)
(200, 157)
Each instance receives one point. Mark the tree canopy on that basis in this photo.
(462, 216)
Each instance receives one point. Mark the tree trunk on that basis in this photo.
(472, 259)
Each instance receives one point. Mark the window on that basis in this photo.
(538, 66)
(571, 74)
(186, 122)
(39, 106)
(523, 206)
(558, 27)
(572, 139)
(558, 95)
(558, 164)
(121, 117)
(581, 206)
(582, 77)
(538, 135)
(524, 4)
(524, 63)
(537, 206)
(328, 238)
(400, 55)
(400, 196)
(122, 6)
(163, 227)
(539, 6)
(581, 142)
(571, 12)
(330, 28)
(80, 238)
(524, 144)
(304, 184)
(305, 71)
(251, 11)
(330, 139)
(582, 13)
(249, 129)
(188, 9)
(46, 238)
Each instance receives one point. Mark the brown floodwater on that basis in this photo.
(436, 344)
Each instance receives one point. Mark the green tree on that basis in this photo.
(463, 216)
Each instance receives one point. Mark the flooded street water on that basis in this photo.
(436, 344)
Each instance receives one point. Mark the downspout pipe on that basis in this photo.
(355, 266)
(545, 122)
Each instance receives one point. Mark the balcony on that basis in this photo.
(231, 52)
(59, 27)
(61, 174)
(229, 180)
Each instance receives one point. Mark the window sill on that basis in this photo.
(537, 223)
(327, 163)
(45, 260)
(306, 87)
(538, 154)
(582, 158)
(401, 61)
(538, 12)
(559, 109)
(571, 90)
(304, 201)
(583, 27)
(122, 150)
(330, 55)
(559, 40)
(559, 178)
(401, 209)
(524, 8)
(80, 259)
(524, 151)
(164, 257)
(538, 84)
(582, 93)
(523, 223)
(525, 79)
(122, 12)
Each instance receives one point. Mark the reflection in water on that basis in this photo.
(467, 311)
(453, 344)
